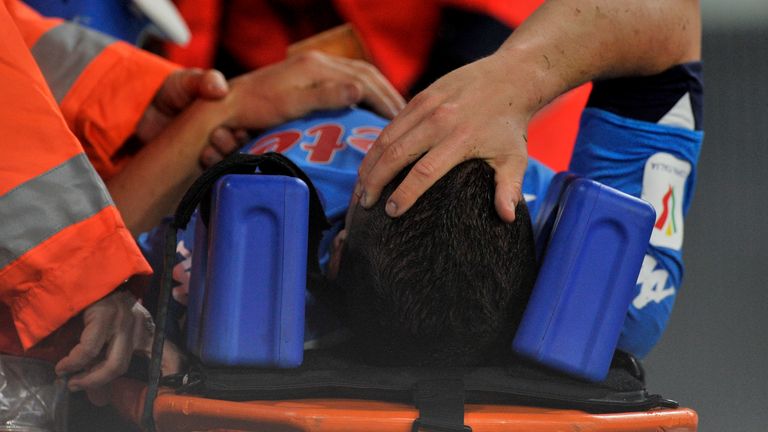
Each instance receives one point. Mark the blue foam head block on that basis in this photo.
(545, 220)
(248, 303)
(196, 295)
(586, 280)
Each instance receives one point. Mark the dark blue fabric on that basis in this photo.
(649, 98)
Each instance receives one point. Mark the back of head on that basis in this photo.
(444, 284)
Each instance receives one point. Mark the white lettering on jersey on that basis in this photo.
(181, 273)
(653, 284)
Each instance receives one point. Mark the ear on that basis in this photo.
(336, 249)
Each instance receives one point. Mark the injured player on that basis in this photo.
(446, 282)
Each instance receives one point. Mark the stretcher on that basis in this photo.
(177, 413)
(336, 393)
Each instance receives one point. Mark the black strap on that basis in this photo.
(441, 406)
(268, 163)
(199, 194)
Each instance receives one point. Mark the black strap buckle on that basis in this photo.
(420, 425)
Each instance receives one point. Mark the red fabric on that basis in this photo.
(398, 36)
(203, 18)
(552, 131)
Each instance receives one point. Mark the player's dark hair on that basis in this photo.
(444, 284)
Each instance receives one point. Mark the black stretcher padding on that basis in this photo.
(335, 373)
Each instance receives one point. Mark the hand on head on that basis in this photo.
(152, 181)
(269, 96)
(307, 82)
(472, 112)
(293, 88)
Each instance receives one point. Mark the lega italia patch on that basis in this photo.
(664, 181)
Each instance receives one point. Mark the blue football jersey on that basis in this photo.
(657, 163)
(328, 147)
(647, 160)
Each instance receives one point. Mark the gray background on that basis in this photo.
(714, 355)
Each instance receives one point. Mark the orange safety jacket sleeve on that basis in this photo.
(102, 86)
(63, 244)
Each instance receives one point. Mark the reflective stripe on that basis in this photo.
(64, 52)
(50, 202)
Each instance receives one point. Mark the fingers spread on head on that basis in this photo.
(424, 173)
(327, 95)
(394, 158)
(409, 118)
(509, 186)
(432, 124)
(380, 93)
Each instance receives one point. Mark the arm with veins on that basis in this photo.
(482, 109)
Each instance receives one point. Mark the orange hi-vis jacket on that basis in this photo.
(69, 98)
(398, 34)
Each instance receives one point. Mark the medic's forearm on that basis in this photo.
(566, 43)
(153, 182)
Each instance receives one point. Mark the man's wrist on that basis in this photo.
(534, 77)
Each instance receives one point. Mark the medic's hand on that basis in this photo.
(305, 83)
(115, 328)
(179, 90)
(478, 111)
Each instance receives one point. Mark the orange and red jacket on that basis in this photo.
(398, 34)
(69, 98)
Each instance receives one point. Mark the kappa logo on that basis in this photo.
(653, 284)
(664, 181)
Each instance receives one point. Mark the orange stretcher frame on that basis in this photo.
(177, 413)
